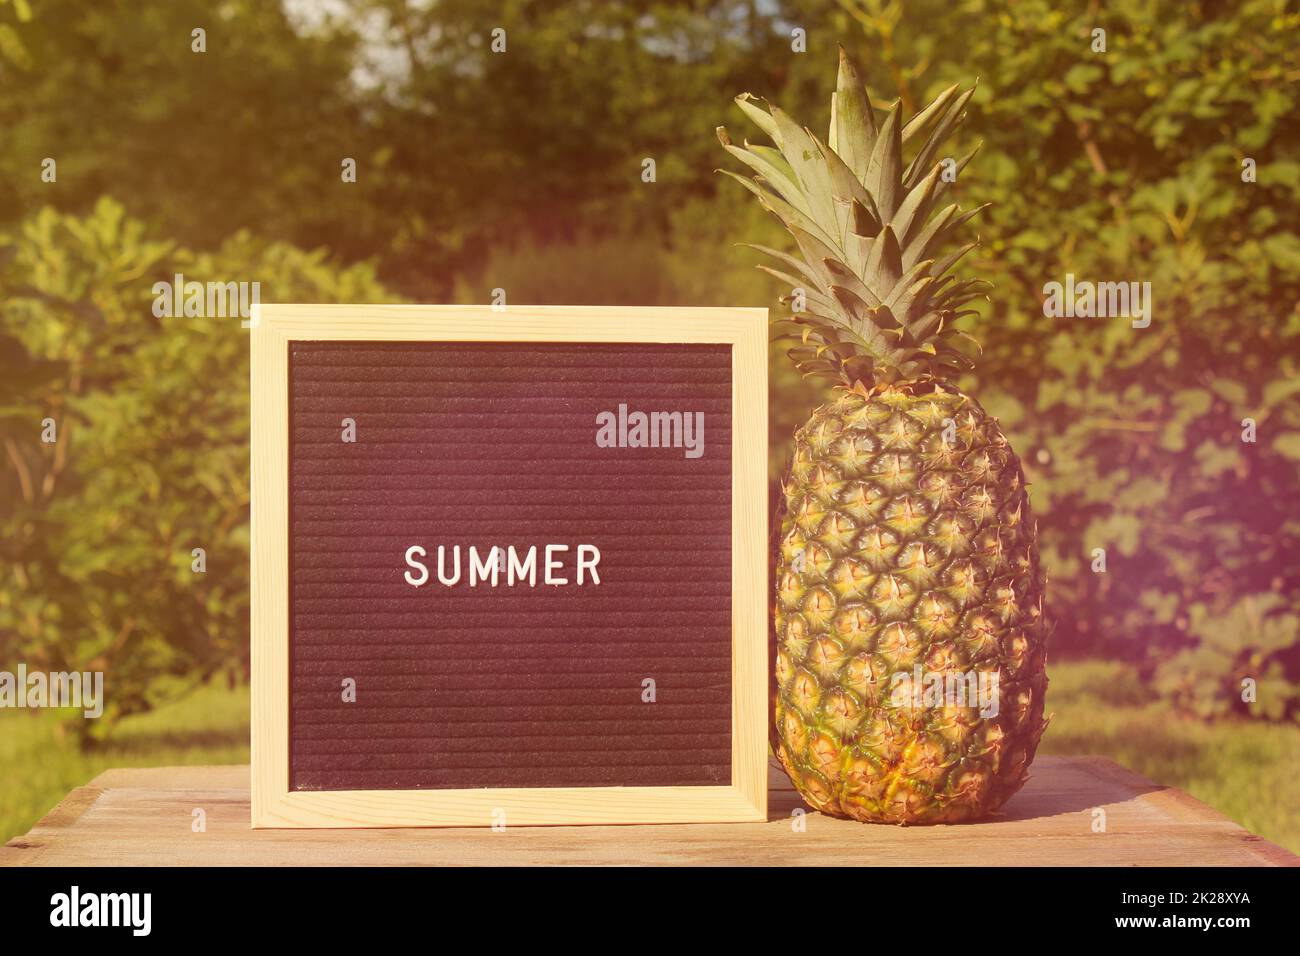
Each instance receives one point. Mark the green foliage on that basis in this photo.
(1238, 665)
(1245, 769)
(868, 295)
(150, 457)
(478, 170)
(209, 726)
(1127, 165)
(200, 144)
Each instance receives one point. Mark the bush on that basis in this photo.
(150, 457)
(1134, 162)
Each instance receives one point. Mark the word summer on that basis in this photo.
(683, 430)
(503, 565)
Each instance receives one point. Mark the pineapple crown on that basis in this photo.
(879, 304)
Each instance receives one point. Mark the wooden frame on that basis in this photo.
(273, 803)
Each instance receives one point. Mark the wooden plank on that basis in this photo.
(143, 818)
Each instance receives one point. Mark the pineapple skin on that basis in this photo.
(906, 540)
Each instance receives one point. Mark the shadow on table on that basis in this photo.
(1057, 786)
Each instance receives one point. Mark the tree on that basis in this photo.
(1159, 150)
(125, 435)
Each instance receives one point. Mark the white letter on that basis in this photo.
(1143, 310)
(455, 556)
(529, 567)
(605, 437)
(588, 565)
(162, 302)
(554, 565)
(1248, 690)
(144, 910)
(694, 438)
(95, 703)
(989, 693)
(1085, 300)
(411, 552)
(1052, 304)
(59, 915)
(479, 567)
(637, 427)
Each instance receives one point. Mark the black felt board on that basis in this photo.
(494, 444)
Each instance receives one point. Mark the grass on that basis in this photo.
(39, 765)
(1244, 769)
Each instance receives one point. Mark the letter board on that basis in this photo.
(509, 565)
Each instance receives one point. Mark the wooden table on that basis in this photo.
(144, 818)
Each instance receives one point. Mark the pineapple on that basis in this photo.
(907, 574)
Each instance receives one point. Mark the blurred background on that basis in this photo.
(1171, 157)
